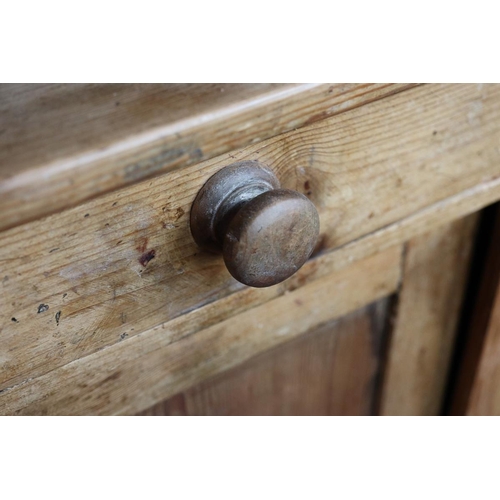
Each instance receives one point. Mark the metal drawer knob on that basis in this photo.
(265, 233)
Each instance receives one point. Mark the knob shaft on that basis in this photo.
(264, 233)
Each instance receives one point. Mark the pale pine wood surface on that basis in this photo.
(434, 276)
(154, 365)
(331, 370)
(372, 190)
(61, 144)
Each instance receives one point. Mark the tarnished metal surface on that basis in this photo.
(265, 233)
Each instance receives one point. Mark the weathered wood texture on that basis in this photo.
(134, 375)
(435, 271)
(378, 175)
(485, 394)
(62, 144)
(329, 371)
(476, 389)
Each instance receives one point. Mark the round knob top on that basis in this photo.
(265, 233)
(271, 237)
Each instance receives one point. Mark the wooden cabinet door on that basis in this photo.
(333, 369)
(389, 357)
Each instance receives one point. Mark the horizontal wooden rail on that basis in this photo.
(63, 144)
(133, 375)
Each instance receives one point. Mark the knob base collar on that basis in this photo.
(222, 196)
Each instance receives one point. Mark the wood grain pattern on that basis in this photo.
(62, 144)
(433, 283)
(91, 265)
(154, 365)
(331, 370)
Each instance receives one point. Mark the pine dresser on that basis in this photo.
(110, 305)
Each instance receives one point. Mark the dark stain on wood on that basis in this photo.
(146, 257)
(42, 308)
(58, 316)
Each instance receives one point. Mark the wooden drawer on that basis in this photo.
(110, 307)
